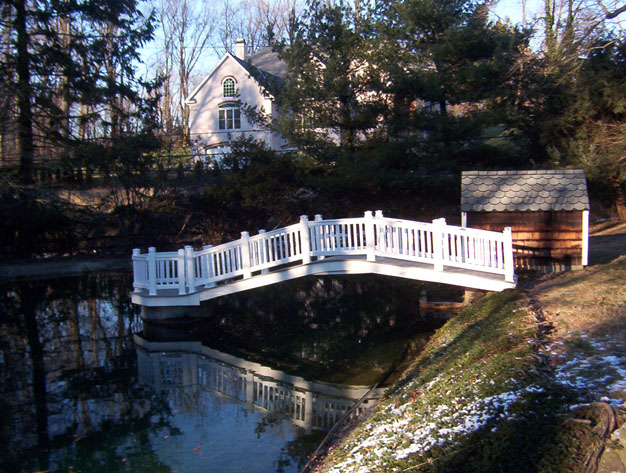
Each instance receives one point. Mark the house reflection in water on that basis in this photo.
(190, 366)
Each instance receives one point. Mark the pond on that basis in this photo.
(251, 386)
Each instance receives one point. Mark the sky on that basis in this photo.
(510, 10)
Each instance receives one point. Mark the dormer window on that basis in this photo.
(229, 87)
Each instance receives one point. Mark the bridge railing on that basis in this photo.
(436, 243)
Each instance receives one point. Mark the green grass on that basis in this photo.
(480, 369)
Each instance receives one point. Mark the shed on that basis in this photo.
(548, 212)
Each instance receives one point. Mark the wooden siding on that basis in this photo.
(541, 240)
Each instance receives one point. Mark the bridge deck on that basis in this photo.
(354, 264)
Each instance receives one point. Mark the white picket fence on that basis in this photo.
(372, 235)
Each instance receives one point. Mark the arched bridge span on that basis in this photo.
(372, 244)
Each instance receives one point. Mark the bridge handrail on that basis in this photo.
(436, 243)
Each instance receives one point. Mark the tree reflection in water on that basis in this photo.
(70, 394)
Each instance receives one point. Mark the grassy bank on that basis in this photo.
(527, 380)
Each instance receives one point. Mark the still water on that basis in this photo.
(86, 386)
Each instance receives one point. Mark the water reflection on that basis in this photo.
(73, 392)
(65, 359)
(172, 367)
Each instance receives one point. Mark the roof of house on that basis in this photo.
(268, 61)
(264, 66)
(522, 191)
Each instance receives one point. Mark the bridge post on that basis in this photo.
(191, 271)
(305, 239)
(207, 265)
(180, 267)
(152, 283)
(136, 270)
(370, 238)
(245, 254)
(507, 250)
(318, 236)
(438, 246)
(263, 252)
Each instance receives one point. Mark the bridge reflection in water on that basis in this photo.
(169, 367)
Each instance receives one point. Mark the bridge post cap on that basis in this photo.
(188, 246)
(152, 249)
(245, 234)
(261, 231)
(379, 214)
(368, 213)
(304, 217)
(136, 251)
(318, 217)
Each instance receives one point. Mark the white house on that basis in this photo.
(216, 118)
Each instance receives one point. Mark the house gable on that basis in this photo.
(212, 114)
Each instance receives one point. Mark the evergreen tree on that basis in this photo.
(70, 53)
(331, 95)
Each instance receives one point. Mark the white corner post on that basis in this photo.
(305, 239)
(180, 268)
(370, 235)
(191, 270)
(207, 262)
(317, 236)
(245, 254)
(585, 255)
(152, 282)
(136, 255)
(438, 228)
(507, 251)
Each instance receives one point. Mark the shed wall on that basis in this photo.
(547, 241)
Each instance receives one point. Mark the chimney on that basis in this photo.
(240, 49)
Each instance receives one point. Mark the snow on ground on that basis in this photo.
(405, 431)
(598, 373)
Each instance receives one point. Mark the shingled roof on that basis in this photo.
(265, 66)
(521, 191)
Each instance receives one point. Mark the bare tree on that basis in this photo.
(259, 22)
(187, 30)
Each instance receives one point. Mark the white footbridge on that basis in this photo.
(372, 244)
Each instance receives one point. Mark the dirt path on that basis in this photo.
(607, 241)
(588, 344)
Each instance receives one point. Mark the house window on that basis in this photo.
(229, 87)
(230, 118)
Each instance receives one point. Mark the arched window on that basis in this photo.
(229, 87)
